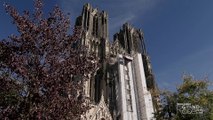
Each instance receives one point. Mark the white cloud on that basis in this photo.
(128, 11)
(117, 22)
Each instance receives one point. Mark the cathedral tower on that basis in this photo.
(95, 37)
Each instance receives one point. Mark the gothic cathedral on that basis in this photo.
(123, 88)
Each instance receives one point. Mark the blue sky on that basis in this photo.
(178, 33)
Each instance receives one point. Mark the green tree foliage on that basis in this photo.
(192, 101)
(38, 68)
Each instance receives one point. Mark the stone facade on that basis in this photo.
(123, 88)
